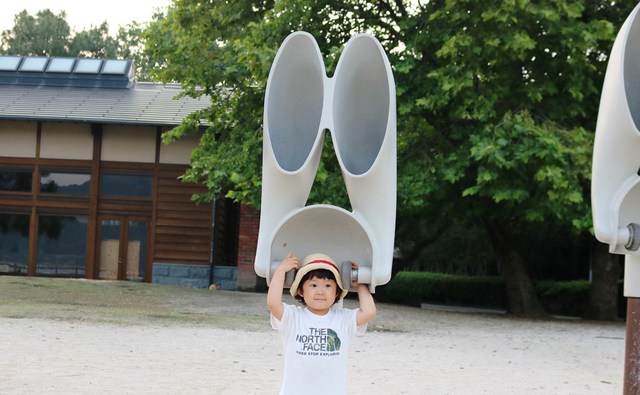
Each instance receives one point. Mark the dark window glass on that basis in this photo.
(15, 180)
(225, 240)
(65, 183)
(14, 243)
(62, 246)
(139, 185)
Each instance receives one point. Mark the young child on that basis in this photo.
(316, 337)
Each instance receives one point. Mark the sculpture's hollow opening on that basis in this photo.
(361, 105)
(294, 102)
(632, 70)
(327, 229)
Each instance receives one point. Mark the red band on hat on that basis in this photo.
(323, 261)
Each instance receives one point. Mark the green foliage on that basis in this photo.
(93, 43)
(187, 45)
(461, 248)
(130, 44)
(550, 165)
(45, 34)
(413, 288)
(569, 297)
(416, 287)
(227, 50)
(512, 89)
(495, 100)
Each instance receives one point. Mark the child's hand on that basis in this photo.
(290, 262)
(274, 295)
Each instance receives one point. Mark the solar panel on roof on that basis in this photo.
(88, 66)
(33, 64)
(115, 66)
(9, 63)
(61, 65)
(66, 72)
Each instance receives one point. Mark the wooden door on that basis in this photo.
(123, 248)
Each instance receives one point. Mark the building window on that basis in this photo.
(62, 246)
(65, 183)
(129, 185)
(15, 180)
(14, 243)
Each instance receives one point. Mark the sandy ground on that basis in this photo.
(405, 351)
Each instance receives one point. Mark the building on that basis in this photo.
(88, 190)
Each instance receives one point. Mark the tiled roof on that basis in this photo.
(144, 103)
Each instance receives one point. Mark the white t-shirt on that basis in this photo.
(315, 349)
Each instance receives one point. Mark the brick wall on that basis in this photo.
(247, 243)
(192, 276)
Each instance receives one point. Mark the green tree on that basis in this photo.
(131, 45)
(93, 43)
(522, 83)
(45, 34)
(496, 105)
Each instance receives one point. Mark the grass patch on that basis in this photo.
(127, 303)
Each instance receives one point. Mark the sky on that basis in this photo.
(81, 14)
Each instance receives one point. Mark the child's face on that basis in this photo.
(319, 294)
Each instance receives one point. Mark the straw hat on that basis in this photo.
(314, 262)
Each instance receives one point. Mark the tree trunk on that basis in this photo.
(606, 270)
(521, 295)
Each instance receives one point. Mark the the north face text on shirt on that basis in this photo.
(319, 342)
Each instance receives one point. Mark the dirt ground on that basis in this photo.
(85, 337)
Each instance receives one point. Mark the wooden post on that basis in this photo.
(632, 348)
(92, 269)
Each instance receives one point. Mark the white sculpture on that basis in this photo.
(615, 181)
(615, 186)
(357, 105)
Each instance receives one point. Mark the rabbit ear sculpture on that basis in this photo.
(615, 176)
(615, 185)
(357, 106)
(364, 135)
(293, 137)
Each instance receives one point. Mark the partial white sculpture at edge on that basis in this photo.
(615, 185)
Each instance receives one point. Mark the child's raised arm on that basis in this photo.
(367, 310)
(274, 295)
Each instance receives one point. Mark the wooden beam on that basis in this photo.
(33, 220)
(94, 190)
